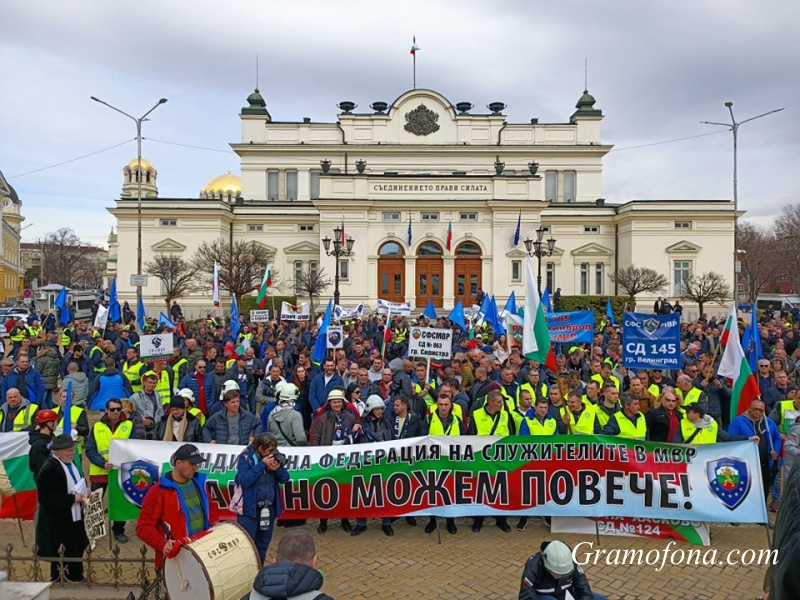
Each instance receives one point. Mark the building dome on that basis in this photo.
(146, 165)
(13, 196)
(223, 186)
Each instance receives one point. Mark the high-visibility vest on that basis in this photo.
(584, 424)
(654, 390)
(103, 436)
(602, 416)
(34, 331)
(66, 336)
(176, 368)
(436, 427)
(427, 397)
(163, 387)
(102, 366)
(23, 419)
(198, 414)
(706, 435)
(132, 373)
(484, 422)
(400, 334)
(229, 363)
(628, 430)
(599, 379)
(788, 414)
(529, 386)
(588, 401)
(75, 413)
(511, 401)
(536, 427)
(17, 337)
(692, 396)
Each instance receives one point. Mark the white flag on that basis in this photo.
(101, 318)
(215, 285)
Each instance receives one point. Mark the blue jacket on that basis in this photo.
(259, 484)
(318, 395)
(34, 385)
(190, 381)
(216, 428)
(108, 384)
(742, 425)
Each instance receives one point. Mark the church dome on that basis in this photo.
(146, 164)
(222, 186)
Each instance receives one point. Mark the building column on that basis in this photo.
(411, 279)
(449, 283)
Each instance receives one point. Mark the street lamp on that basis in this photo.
(138, 122)
(538, 249)
(341, 247)
(734, 127)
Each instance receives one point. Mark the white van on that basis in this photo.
(780, 302)
(83, 303)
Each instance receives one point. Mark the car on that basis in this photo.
(12, 313)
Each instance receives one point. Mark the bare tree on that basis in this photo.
(787, 226)
(67, 260)
(761, 259)
(241, 265)
(312, 284)
(635, 280)
(177, 276)
(708, 287)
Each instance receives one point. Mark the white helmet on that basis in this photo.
(227, 387)
(288, 393)
(558, 558)
(186, 393)
(374, 401)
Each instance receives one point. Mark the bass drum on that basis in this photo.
(221, 565)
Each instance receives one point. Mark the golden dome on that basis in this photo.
(224, 184)
(145, 165)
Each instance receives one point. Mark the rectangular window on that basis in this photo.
(306, 228)
(590, 229)
(683, 224)
(429, 216)
(551, 277)
(516, 271)
(384, 284)
(461, 284)
(169, 222)
(468, 216)
(391, 216)
(681, 271)
(298, 275)
(344, 269)
(570, 183)
(551, 186)
(312, 267)
(599, 272)
(252, 227)
(584, 279)
(397, 282)
(272, 185)
(291, 185)
(545, 228)
(313, 184)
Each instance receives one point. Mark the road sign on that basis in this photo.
(138, 280)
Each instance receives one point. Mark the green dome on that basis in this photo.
(256, 105)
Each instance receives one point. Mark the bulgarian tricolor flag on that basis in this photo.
(535, 335)
(17, 488)
(387, 331)
(266, 283)
(414, 47)
(449, 233)
(215, 285)
(734, 366)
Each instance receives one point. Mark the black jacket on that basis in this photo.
(40, 451)
(56, 512)
(287, 580)
(536, 580)
(658, 424)
(192, 435)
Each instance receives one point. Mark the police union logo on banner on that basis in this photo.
(136, 478)
(729, 480)
(650, 326)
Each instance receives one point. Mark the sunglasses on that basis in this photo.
(114, 409)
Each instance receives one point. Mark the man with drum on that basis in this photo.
(177, 506)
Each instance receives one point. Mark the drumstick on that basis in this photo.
(168, 532)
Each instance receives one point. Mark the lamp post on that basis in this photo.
(538, 249)
(734, 127)
(341, 247)
(138, 122)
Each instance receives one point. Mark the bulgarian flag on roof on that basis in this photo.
(266, 283)
(17, 488)
(734, 366)
(414, 47)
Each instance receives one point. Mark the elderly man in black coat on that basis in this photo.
(62, 488)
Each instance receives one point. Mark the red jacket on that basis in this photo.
(162, 506)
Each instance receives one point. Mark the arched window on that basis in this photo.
(429, 248)
(390, 249)
(468, 249)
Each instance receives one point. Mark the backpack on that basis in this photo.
(236, 505)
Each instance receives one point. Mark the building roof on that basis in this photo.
(224, 184)
(146, 165)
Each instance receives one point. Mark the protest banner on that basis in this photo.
(295, 312)
(580, 476)
(94, 518)
(335, 337)
(155, 347)
(342, 313)
(429, 342)
(259, 316)
(571, 327)
(651, 341)
(692, 532)
(402, 309)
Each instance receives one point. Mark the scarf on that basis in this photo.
(72, 487)
(168, 437)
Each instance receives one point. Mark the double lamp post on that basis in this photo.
(540, 248)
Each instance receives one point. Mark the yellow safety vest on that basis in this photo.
(176, 367)
(588, 401)
(66, 336)
(511, 403)
(24, 418)
(692, 396)
(400, 334)
(436, 427)
(103, 436)
(788, 414)
(163, 388)
(34, 331)
(484, 422)
(584, 424)
(230, 362)
(16, 338)
(131, 371)
(599, 379)
(602, 416)
(102, 366)
(529, 386)
(75, 413)
(198, 414)
(706, 435)
(628, 430)
(538, 428)
(427, 397)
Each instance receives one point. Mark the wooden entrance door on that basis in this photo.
(467, 273)
(430, 269)
(391, 273)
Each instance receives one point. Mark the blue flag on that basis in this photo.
(493, 318)
(757, 354)
(457, 315)
(409, 229)
(430, 311)
(67, 425)
(511, 304)
(113, 304)
(141, 314)
(164, 320)
(516, 233)
(609, 312)
(62, 305)
(485, 307)
(546, 299)
(321, 343)
(235, 325)
(747, 344)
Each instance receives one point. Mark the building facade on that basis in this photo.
(431, 194)
(11, 271)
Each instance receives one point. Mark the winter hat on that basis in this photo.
(493, 387)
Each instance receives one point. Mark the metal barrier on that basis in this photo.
(97, 571)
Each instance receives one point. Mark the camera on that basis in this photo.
(279, 457)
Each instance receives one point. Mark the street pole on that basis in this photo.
(138, 122)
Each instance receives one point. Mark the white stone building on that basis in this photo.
(426, 164)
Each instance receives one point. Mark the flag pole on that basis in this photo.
(19, 519)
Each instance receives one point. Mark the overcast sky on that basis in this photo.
(657, 68)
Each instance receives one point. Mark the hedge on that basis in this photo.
(249, 303)
(597, 304)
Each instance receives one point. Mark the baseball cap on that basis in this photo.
(188, 452)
